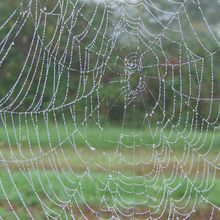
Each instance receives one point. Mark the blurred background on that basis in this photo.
(109, 109)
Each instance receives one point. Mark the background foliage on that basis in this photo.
(109, 91)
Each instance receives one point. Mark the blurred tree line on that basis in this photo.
(108, 60)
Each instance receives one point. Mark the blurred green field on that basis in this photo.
(85, 186)
(78, 166)
(108, 138)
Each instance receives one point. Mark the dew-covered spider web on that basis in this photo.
(109, 109)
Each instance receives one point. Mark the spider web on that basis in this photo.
(148, 66)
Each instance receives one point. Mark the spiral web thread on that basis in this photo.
(76, 43)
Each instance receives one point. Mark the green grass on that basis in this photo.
(111, 145)
(85, 186)
(108, 138)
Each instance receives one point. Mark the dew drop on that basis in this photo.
(92, 148)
